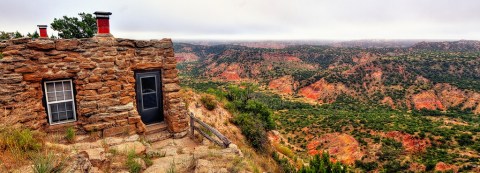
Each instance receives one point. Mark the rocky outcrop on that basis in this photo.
(364, 57)
(450, 96)
(427, 100)
(186, 57)
(388, 101)
(417, 167)
(473, 102)
(102, 70)
(284, 85)
(322, 91)
(343, 146)
(443, 167)
(277, 57)
(231, 73)
(477, 110)
(444, 96)
(410, 143)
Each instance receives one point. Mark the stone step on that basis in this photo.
(159, 136)
(155, 128)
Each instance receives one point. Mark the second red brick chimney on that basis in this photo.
(103, 23)
(43, 31)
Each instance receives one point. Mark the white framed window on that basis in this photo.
(60, 101)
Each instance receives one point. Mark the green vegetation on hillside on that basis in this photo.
(254, 118)
(392, 136)
(362, 121)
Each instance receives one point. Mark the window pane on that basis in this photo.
(58, 86)
(54, 117)
(69, 106)
(61, 107)
(50, 87)
(70, 115)
(53, 108)
(149, 101)
(148, 85)
(59, 96)
(68, 95)
(51, 97)
(62, 116)
(66, 85)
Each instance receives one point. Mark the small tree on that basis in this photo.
(18, 35)
(35, 35)
(4, 35)
(322, 164)
(72, 27)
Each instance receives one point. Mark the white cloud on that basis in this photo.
(264, 19)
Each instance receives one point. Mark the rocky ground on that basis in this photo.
(170, 155)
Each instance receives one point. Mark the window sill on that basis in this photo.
(60, 126)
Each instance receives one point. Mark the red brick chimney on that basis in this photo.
(43, 31)
(103, 24)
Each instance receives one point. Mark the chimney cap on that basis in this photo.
(42, 26)
(102, 14)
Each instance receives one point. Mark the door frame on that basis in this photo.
(160, 91)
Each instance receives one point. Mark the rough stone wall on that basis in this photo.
(102, 71)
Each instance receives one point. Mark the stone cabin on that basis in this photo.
(102, 85)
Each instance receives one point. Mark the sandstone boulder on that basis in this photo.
(96, 156)
(203, 166)
(124, 148)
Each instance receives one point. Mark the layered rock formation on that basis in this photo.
(186, 57)
(323, 91)
(427, 100)
(343, 146)
(284, 85)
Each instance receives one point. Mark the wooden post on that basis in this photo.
(192, 125)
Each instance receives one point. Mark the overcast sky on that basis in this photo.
(260, 19)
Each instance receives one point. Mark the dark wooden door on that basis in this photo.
(149, 96)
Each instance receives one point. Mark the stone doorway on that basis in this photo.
(149, 96)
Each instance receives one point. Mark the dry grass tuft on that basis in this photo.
(18, 145)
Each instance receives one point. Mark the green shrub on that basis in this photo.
(209, 102)
(1, 55)
(132, 165)
(390, 150)
(284, 164)
(367, 166)
(284, 150)
(19, 140)
(253, 130)
(253, 118)
(148, 160)
(322, 164)
(476, 147)
(261, 111)
(48, 163)
(395, 166)
(435, 155)
(70, 134)
(464, 139)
